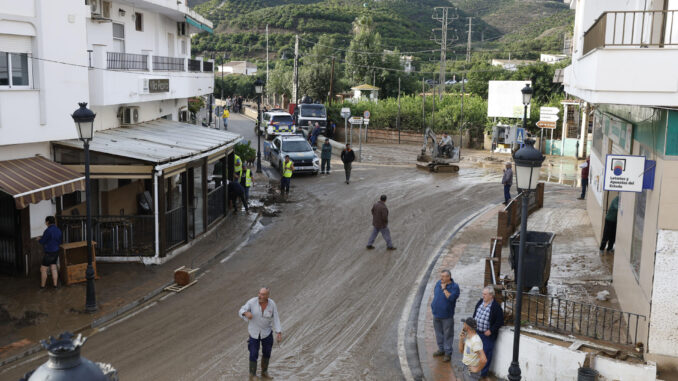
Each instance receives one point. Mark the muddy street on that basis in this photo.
(339, 303)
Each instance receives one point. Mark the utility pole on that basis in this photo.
(223, 62)
(331, 81)
(461, 116)
(295, 84)
(441, 14)
(266, 88)
(397, 120)
(423, 107)
(468, 43)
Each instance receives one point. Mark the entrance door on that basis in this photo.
(196, 218)
(10, 237)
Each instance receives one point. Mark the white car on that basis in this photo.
(276, 123)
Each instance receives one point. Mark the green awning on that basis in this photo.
(199, 25)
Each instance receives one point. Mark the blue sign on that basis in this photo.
(648, 175)
(520, 135)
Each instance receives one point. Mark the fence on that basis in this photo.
(168, 63)
(633, 29)
(126, 61)
(175, 229)
(216, 205)
(194, 65)
(576, 318)
(508, 219)
(114, 235)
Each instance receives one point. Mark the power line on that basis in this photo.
(364, 52)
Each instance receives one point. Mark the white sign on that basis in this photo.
(624, 173)
(355, 120)
(548, 117)
(366, 121)
(345, 112)
(366, 114)
(505, 99)
(548, 110)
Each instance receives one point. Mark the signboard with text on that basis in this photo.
(158, 85)
(624, 173)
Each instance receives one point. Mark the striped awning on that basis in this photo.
(36, 179)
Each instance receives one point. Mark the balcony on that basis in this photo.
(134, 78)
(627, 57)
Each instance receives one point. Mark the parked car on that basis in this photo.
(302, 155)
(276, 123)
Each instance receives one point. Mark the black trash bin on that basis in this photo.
(537, 261)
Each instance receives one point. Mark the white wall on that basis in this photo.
(107, 116)
(663, 322)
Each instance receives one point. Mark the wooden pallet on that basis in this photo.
(177, 288)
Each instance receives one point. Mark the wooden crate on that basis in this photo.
(73, 261)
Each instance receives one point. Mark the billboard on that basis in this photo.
(505, 100)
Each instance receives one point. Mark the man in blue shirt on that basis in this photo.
(50, 241)
(445, 294)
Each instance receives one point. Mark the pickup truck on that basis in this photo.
(302, 155)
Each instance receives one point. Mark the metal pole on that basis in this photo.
(398, 120)
(461, 115)
(258, 134)
(360, 143)
(423, 106)
(223, 61)
(91, 299)
(345, 132)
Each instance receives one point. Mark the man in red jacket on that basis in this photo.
(380, 223)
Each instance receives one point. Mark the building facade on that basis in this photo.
(131, 62)
(624, 54)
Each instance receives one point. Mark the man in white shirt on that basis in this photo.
(471, 347)
(261, 315)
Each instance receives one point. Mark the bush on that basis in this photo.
(245, 152)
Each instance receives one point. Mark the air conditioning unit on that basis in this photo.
(100, 8)
(95, 7)
(128, 114)
(182, 29)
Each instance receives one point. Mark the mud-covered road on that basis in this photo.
(339, 303)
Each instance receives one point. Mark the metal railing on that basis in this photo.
(126, 61)
(576, 318)
(632, 29)
(114, 235)
(207, 66)
(194, 65)
(216, 205)
(175, 229)
(161, 63)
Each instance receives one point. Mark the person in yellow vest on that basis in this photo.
(287, 170)
(225, 117)
(237, 168)
(246, 181)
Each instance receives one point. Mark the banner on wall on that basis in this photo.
(624, 173)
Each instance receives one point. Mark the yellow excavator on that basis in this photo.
(437, 158)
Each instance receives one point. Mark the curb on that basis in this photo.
(408, 348)
(126, 308)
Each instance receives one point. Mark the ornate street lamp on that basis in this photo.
(259, 89)
(528, 163)
(84, 122)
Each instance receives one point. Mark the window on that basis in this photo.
(139, 22)
(119, 38)
(14, 69)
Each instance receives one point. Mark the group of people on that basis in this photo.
(239, 187)
(234, 103)
(478, 334)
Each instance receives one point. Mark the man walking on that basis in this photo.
(235, 192)
(380, 224)
(50, 241)
(471, 347)
(445, 294)
(261, 315)
(347, 157)
(287, 170)
(489, 317)
(507, 180)
(584, 177)
(325, 157)
(610, 229)
(225, 117)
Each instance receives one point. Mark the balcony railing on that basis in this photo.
(641, 29)
(207, 66)
(175, 230)
(126, 61)
(114, 235)
(161, 63)
(194, 65)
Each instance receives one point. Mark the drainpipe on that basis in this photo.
(156, 216)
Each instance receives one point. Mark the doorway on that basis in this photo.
(10, 236)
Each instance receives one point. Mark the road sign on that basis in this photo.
(548, 118)
(366, 121)
(366, 114)
(624, 173)
(345, 112)
(548, 110)
(355, 120)
(548, 114)
(546, 124)
(520, 135)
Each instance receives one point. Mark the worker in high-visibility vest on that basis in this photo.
(287, 170)
(237, 168)
(246, 181)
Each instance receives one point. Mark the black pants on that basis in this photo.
(584, 185)
(234, 200)
(325, 165)
(285, 185)
(347, 169)
(609, 235)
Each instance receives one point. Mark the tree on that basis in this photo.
(280, 80)
(316, 72)
(365, 51)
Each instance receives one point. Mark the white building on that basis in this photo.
(623, 65)
(552, 58)
(238, 67)
(131, 61)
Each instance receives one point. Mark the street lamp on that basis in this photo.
(259, 89)
(84, 122)
(528, 162)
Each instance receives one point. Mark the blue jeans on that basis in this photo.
(266, 347)
(284, 185)
(444, 329)
(384, 233)
(225, 123)
(488, 348)
(247, 194)
(507, 192)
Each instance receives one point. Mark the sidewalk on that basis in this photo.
(578, 272)
(28, 315)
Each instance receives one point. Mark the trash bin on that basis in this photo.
(537, 261)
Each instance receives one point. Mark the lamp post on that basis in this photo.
(528, 162)
(259, 89)
(84, 122)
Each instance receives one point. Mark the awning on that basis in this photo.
(36, 179)
(159, 142)
(199, 25)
